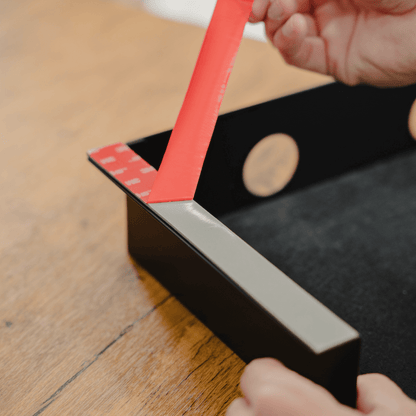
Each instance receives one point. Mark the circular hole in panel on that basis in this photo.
(412, 120)
(270, 165)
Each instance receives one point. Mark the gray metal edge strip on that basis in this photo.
(291, 305)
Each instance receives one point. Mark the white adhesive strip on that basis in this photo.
(310, 320)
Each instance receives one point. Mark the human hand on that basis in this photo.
(271, 389)
(355, 41)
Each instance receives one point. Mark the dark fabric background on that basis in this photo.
(351, 243)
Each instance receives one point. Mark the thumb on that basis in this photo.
(378, 394)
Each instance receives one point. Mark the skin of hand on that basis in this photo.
(355, 41)
(271, 389)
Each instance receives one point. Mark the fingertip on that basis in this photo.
(252, 18)
(257, 367)
(376, 390)
(267, 361)
(288, 39)
(258, 376)
(375, 380)
(259, 10)
(295, 27)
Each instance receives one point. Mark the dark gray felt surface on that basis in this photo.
(351, 243)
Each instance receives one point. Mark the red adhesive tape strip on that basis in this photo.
(181, 167)
(128, 168)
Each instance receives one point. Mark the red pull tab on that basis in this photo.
(181, 166)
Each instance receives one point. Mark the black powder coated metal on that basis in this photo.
(239, 321)
(337, 128)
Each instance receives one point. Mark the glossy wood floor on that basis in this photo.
(83, 331)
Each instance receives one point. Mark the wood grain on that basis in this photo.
(83, 331)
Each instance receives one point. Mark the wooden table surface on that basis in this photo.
(83, 331)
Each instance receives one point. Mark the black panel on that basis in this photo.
(230, 313)
(336, 127)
